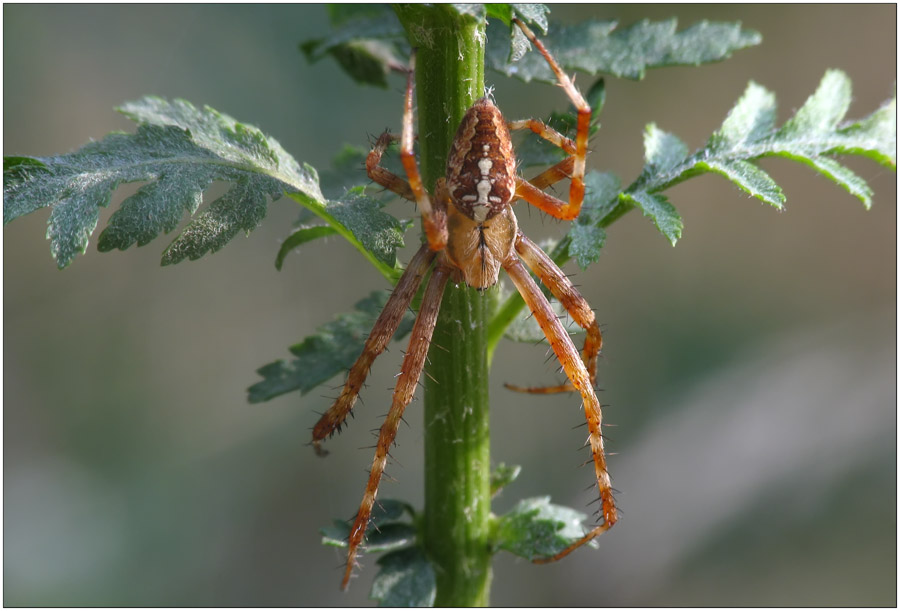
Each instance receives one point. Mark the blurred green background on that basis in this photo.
(750, 370)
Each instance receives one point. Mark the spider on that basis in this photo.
(471, 232)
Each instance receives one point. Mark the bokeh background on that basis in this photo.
(750, 370)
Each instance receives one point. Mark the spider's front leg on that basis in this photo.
(411, 370)
(575, 370)
(434, 214)
(532, 192)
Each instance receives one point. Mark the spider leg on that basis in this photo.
(383, 177)
(533, 195)
(381, 334)
(576, 305)
(411, 370)
(561, 170)
(577, 373)
(434, 218)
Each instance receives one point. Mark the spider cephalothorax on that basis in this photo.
(471, 233)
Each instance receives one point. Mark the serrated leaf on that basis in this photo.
(659, 210)
(328, 352)
(405, 579)
(535, 528)
(300, 237)
(810, 137)
(597, 47)
(179, 150)
(748, 177)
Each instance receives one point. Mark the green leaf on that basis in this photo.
(179, 150)
(502, 476)
(662, 151)
(597, 47)
(321, 356)
(748, 177)
(382, 532)
(535, 528)
(299, 237)
(367, 43)
(586, 243)
(823, 110)
(660, 211)
(810, 137)
(854, 185)
(405, 579)
(359, 220)
(751, 119)
(386, 537)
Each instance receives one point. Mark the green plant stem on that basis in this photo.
(449, 78)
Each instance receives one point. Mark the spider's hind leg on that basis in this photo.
(411, 370)
(381, 334)
(581, 381)
(576, 305)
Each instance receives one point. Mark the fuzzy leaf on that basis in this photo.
(179, 150)
(747, 177)
(813, 135)
(659, 210)
(599, 47)
(358, 219)
(535, 528)
(405, 579)
(662, 151)
(586, 243)
(752, 118)
(321, 356)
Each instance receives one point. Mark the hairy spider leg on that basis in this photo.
(382, 176)
(434, 218)
(577, 373)
(576, 305)
(381, 334)
(411, 370)
(533, 195)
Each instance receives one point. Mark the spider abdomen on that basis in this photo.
(481, 167)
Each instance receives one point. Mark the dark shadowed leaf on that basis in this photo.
(405, 579)
(321, 356)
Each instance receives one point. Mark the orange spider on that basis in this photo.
(471, 233)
